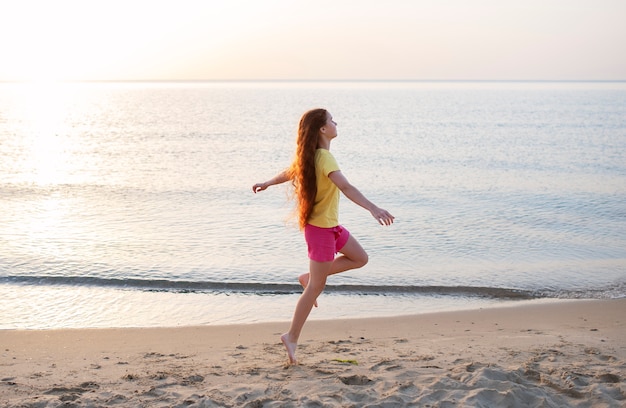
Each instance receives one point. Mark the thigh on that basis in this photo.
(318, 271)
(353, 250)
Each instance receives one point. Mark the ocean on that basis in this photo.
(130, 204)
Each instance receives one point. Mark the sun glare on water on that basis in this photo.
(46, 148)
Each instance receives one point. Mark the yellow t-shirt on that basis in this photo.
(326, 208)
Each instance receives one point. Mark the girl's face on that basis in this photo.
(330, 128)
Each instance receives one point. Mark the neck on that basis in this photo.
(323, 143)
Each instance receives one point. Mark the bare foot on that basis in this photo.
(304, 281)
(291, 348)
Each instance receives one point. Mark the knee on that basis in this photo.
(316, 286)
(362, 259)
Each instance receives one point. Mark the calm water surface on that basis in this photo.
(130, 204)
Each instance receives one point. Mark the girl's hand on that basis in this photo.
(278, 179)
(382, 216)
(259, 187)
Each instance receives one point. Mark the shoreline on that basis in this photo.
(76, 307)
(545, 354)
(319, 316)
(63, 307)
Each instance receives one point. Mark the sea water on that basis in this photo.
(131, 204)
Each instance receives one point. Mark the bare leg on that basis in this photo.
(304, 281)
(353, 257)
(316, 284)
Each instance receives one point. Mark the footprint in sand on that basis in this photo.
(68, 394)
(386, 365)
(192, 379)
(609, 378)
(355, 380)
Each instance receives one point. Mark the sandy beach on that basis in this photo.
(569, 353)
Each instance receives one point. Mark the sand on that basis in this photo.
(557, 354)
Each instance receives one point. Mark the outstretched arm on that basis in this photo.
(278, 179)
(382, 216)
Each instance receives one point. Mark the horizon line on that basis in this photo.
(301, 80)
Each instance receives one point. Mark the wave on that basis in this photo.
(258, 288)
(264, 288)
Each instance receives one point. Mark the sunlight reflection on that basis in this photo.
(46, 225)
(47, 146)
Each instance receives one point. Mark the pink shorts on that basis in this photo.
(324, 243)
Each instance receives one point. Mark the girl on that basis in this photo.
(317, 181)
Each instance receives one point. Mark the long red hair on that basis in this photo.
(302, 170)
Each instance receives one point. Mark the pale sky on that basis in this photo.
(312, 40)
